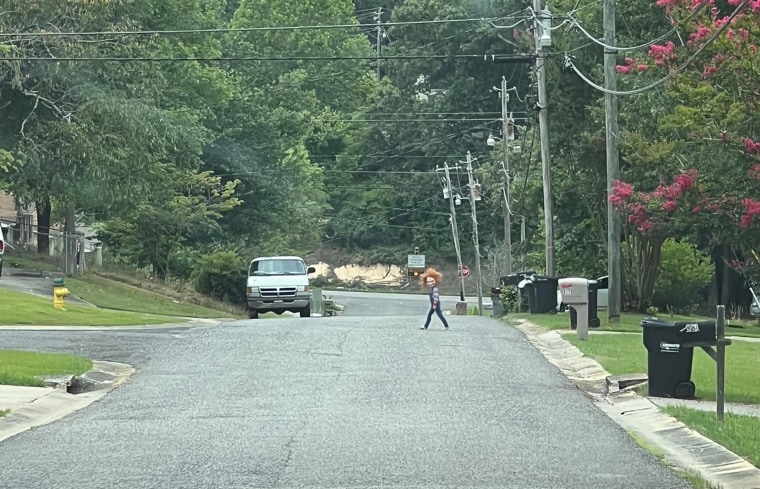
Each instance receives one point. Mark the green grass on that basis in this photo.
(623, 354)
(630, 322)
(738, 433)
(3, 412)
(14, 259)
(23, 367)
(111, 294)
(25, 309)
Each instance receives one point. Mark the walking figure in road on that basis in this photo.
(432, 278)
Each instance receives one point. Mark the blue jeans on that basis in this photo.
(438, 312)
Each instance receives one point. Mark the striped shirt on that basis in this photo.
(434, 296)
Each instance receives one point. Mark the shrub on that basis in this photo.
(221, 275)
(684, 273)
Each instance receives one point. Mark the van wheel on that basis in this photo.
(306, 312)
(253, 314)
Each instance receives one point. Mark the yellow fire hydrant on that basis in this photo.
(60, 291)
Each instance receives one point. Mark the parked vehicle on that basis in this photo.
(278, 284)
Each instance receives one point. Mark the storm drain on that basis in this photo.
(79, 384)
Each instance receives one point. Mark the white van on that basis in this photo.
(278, 284)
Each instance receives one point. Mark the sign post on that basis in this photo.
(415, 265)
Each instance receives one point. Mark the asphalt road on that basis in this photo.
(379, 304)
(327, 402)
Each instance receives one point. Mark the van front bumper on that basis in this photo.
(258, 303)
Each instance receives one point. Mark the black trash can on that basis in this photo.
(498, 307)
(515, 278)
(593, 308)
(542, 295)
(669, 361)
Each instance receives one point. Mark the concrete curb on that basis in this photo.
(56, 404)
(191, 323)
(680, 445)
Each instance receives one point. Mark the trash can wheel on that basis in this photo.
(594, 323)
(685, 390)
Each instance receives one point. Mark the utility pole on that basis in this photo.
(543, 39)
(69, 239)
(379, 39)
(505, 134)
(475, 233)
(455, 231)
(613, 164)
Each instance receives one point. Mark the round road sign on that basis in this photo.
(465, 271)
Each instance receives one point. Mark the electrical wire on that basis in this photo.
(149, 59)
(670, 75)
(620, 49)
(240, 29)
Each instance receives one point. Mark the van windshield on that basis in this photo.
(277, 267)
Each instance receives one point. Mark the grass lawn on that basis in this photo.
(22, 367)
(630, 322)
(25, 309)
(111, 294)
(737, 433)
(14, 259)
(623, 354)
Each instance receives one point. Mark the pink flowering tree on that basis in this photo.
(649, 219)
(708, 122)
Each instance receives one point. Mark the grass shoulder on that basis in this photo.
(630, 322)
(31, 310)
(113, 294)
(24, 368)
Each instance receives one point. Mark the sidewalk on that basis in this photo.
(680, 445)
(36, 406)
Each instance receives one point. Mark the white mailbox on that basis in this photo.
(574, 293)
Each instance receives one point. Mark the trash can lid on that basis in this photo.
(656, 323)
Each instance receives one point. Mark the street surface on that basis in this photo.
(380, 304)
(328, 402)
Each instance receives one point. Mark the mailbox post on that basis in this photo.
(575, 294)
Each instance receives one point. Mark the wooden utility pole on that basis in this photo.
(505, 134)
(613, 164)
(543, 39)
(720, 363)
(475, 238)
(69, 240)
(455, 232)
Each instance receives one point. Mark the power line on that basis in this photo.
(485, 57)
(577, 24)
(241, 29)
(328, 171)
(410, 120)
(671, 74)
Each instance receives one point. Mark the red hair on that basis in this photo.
(431, 273)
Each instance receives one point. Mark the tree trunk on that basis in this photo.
(160, 270)
(69, 231)
(640, 258)
(43, 227)
(725, 282)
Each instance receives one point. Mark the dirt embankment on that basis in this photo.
(339, 268)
